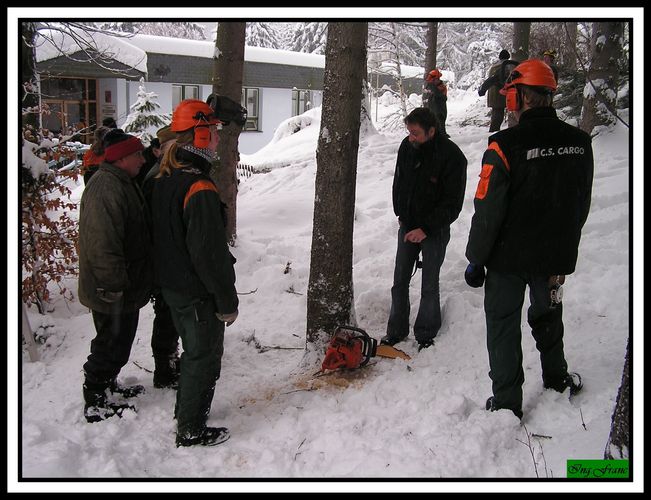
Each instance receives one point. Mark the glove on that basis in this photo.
(229, 319)
(481, 92)
(108, 296)
(475, 275)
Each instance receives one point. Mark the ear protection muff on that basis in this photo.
(201, 137)
(512, 99)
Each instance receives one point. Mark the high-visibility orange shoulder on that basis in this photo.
(200, 185)
(496, 147)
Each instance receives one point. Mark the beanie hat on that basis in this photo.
(165, 134)
(117, 145)
(109, 122)
(504, 54)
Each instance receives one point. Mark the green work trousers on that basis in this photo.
(503, 301)
(202, 338)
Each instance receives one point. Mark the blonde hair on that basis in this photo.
(169, 160)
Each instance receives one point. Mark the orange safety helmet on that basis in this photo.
(433, 75)
(531, 72)
(192, 113)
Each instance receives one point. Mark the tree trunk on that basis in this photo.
(227, 81)
(619, 441)
(330, 289)
(28, 81)
(430, 52)
(568, 54)
(521, 33)
(600, 94)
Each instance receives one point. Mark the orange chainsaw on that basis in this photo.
(352, 347)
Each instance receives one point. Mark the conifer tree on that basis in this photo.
(144, 119)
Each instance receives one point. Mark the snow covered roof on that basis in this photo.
(202, 48)
(52, 43)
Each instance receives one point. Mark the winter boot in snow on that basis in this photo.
(208, 436)
(571, 380)
(574, 382)
(491, 405)
(389, 340)
(126, 391)
(167, 372)
(96, 406)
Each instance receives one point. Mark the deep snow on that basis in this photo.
(419, 420)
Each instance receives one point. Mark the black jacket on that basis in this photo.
(429, 184)
(533, 196)
(191, 254)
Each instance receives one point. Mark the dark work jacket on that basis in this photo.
(429, 184)
(533, 196)
(191, 254)
(114, 243)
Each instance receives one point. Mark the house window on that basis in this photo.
(250, 100)
(301, 101)
(71, 106)
(182, 92)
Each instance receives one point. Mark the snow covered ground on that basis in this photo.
(411, 421)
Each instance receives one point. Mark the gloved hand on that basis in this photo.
(108, 296)
(229, 319)
(475, 275)
(481, 92)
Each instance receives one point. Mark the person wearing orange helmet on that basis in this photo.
(435, 96)
(548, 57)
(193, 265)
(531, 202)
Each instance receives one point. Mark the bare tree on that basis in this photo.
(228, 71)
(600, 94)
(28, 79)
(521, 33)
(430, 51)
(619, 440)
(568, 55)
(330, 289)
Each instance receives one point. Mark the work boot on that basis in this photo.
(126, 391)
(574, 382)
(208, 436)
(96, 406)
(167, 372)
(491, 405)
(571, 380)
(425, 344)
(389, 340)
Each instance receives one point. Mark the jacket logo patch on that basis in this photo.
(562, 150)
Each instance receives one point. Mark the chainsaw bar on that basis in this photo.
(388, 351)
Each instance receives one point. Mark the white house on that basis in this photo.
(81, 87)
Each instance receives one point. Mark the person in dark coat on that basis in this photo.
(164, 336)
(435, 99)
(115, 270)
(548, 57)
(151, 154)
(193, 266)
(531, 203)
(428, 189)
(497, 102)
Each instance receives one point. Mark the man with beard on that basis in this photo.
(428, 189)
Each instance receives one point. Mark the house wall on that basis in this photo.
(275, 107)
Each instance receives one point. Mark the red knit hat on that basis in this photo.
(117, 145)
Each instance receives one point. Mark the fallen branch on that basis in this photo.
(528, 445)
(247, 293)
(582, 422)
(143, 368)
